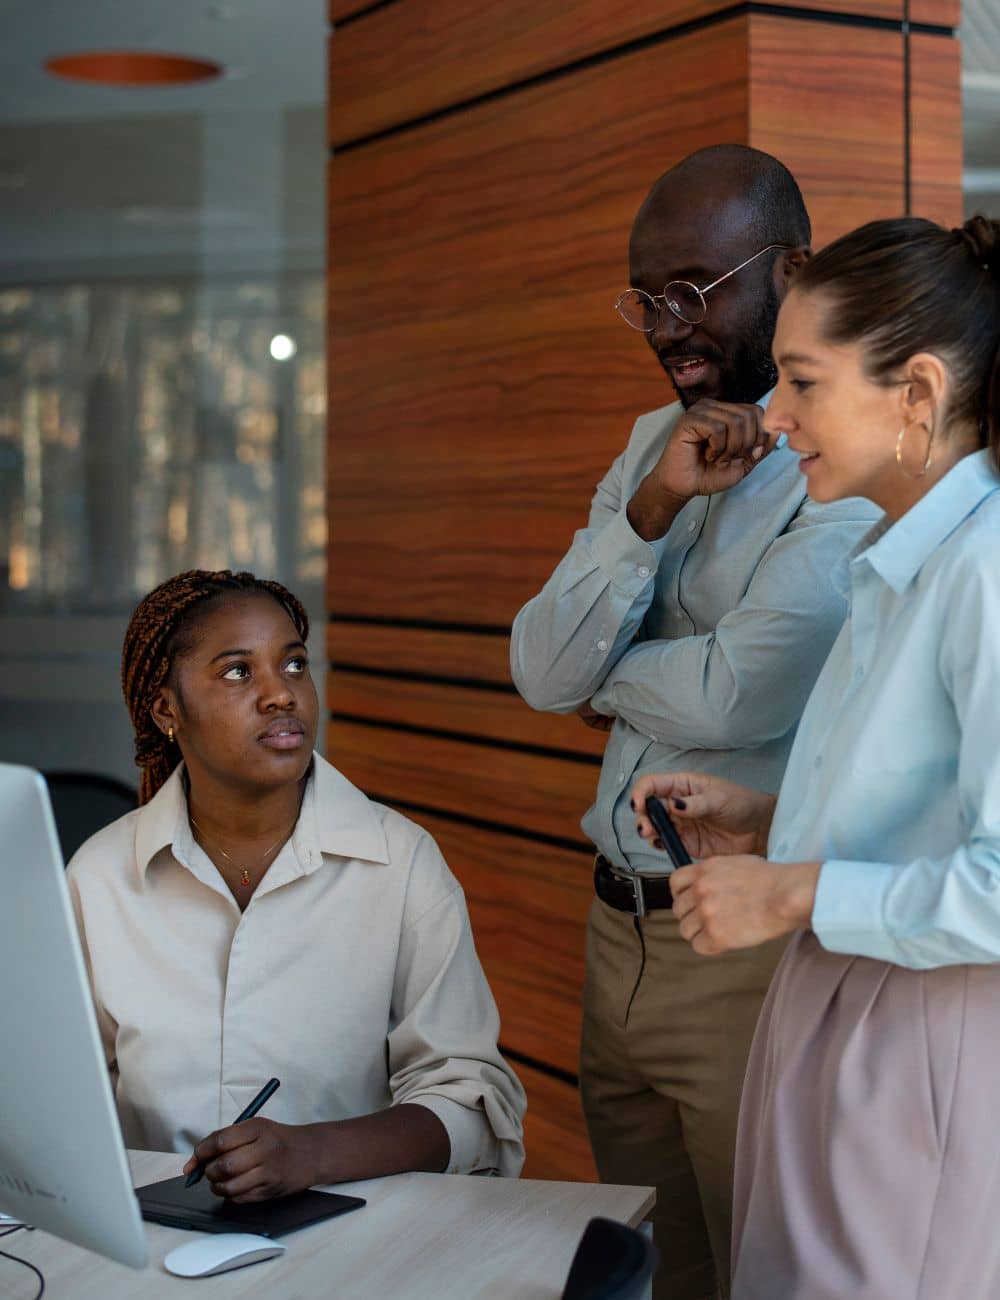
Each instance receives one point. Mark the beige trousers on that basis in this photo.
(666, 1035)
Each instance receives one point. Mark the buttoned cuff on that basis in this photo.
(475, 1148)
(848, 914)
(627, 561)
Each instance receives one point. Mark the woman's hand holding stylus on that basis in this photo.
(733, 897)
(711, 815)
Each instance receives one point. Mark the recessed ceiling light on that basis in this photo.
(133, 68)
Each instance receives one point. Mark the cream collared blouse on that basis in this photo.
(352, 976)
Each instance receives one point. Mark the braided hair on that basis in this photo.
(152, 643)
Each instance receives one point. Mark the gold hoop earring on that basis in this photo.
(900, 437)
(170, 735)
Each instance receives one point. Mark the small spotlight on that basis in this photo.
(283, 348)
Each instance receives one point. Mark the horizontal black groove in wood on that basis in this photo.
(362, 13)
(421, 624)
(468, 738)
(543, 1067)
(746, 8)
(485, 824)
(429, 679)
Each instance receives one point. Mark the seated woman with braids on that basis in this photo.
(258, 916)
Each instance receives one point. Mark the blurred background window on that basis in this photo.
(145, 428)
(980, 36)
(162, 369)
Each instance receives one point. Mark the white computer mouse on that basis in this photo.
(218, 1252)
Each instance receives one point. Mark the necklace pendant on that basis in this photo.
(245, 878)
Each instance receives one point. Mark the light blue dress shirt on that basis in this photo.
(894, 778)
(704, 645)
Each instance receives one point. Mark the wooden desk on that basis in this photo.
(421, 1237)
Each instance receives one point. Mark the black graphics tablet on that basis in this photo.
(177, 1206)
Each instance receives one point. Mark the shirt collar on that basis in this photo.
(335, 819)
(898, 551)
(339, 818)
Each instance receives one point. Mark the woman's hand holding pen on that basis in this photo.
(711, 815)
(733, 897)
(259, 1159)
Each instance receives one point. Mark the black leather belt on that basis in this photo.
(630, 893)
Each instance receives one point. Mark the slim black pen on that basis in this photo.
(272, 1086)
(667, 831)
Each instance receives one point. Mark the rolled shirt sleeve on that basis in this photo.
(442, 1042)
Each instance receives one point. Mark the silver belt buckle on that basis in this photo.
(633, 879)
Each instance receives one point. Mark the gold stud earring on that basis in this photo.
(170, 734)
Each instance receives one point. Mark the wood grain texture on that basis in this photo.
(480, 381)
(472, 712)
(399, 63)
(525, 791)
(529, 904)
(470, 655)
(555, 1136)
(936, 128)
(942, 13)
(828, 101)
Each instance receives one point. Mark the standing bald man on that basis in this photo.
(690, 618)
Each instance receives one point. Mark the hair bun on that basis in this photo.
(982, 237)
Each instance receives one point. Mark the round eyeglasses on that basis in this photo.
(686, 301)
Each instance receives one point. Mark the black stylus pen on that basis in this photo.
(667, 832)
(272, 1086)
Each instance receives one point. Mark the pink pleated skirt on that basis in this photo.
(868, 1157)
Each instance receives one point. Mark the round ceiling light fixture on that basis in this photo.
(133, 68)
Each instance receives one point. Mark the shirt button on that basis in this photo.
(818, 761)
(602, 645)
(621, 778)
(858, 674)
(692, 526)
(643, 571)
(782, 848)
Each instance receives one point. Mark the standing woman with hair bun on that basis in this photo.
(868, 1161)
(258, 916)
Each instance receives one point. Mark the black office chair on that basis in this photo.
(83, 802)
(612, 1262)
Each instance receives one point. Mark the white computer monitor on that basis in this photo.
(63, 1165)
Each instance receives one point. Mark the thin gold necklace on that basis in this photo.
(245, 876)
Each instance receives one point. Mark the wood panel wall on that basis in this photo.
(486, 165)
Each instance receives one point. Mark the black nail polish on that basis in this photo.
(679, 803)
(631, 804)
